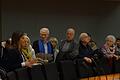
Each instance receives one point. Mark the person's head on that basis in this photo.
(15, 38)
(8, 43)
(23, 41)
(110, 40)
(84, 38)
(118, 42)
(54, 42)
(70, 34)
(44, 33)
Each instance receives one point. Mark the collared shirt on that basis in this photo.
(46, 48)
(23, 58)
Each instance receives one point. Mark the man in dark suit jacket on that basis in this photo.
(43, 47)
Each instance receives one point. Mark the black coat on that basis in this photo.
(70, 54)
(85, 51)
(11, 59)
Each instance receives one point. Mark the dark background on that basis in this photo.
(97, 17)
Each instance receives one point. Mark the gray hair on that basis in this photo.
(111, 37)
(71, 30)
(54, 39)
(82, 35)
(45, 30)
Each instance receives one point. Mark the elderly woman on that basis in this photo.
(109, 51)
(54, 43)
(85, 51)
(43, 47)
(109, 48)
(86, 58)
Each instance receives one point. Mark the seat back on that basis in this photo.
(11, 76)
(84, 70)
(67, 70)
(103, 62)
(117, 66)
(36, 73)
(22, 74)
(51, 72)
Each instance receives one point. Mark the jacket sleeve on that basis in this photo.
(74, 52)
(35, 46)
(13, 60)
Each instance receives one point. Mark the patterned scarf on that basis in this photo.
(27, 54)
(108, 50)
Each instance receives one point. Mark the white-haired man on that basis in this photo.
(68, 47)
(43, 46)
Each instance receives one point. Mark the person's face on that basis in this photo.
(118, 43)
(44, 36)
(110, 42)
(54, 44)
(70, 36)
(24, 42)
(86, 39)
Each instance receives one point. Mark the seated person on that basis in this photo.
(118, 45)
(85, 51)
(68, 47)
(92, 43)
(27, 50)
(14, 58)
(54, 43)
(43, 47)
(109, 51)
(86, 57)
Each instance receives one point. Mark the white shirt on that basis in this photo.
(46, 48)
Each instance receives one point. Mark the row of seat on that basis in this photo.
(64, 70)
(45, 72)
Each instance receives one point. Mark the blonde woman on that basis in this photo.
(54, 43)
(26, 49)
(29, 52)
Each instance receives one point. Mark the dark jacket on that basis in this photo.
(70, 54)
(85, 51)
(11, 59)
